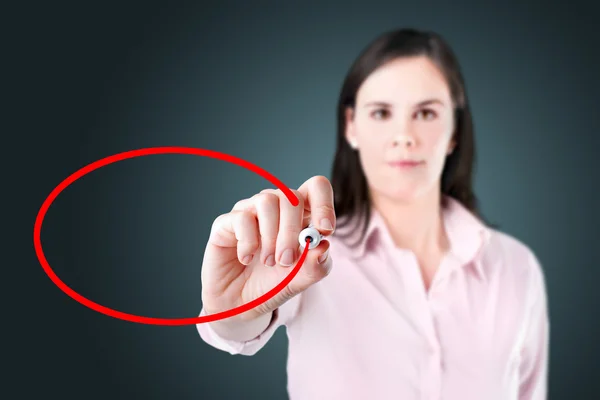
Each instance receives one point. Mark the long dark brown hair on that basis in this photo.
(349, 183)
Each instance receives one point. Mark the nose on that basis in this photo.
(404, 140)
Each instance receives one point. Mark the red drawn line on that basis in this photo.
(149, 320)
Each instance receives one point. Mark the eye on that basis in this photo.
(426, 114)
(380, 113)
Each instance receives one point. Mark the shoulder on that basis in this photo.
(508, 247)
(504, 255)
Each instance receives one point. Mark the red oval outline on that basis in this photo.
(144, 152)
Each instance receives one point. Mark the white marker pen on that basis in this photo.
(311, 234)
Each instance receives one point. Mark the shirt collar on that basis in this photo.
(467, 234)
(351, 229)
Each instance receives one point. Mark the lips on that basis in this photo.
(405, 163)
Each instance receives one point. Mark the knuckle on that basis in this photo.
(326, 210)
(267, 200)
(251, 244)
(299, 196)
(241, 205)
(283, 198)
(289, 229)
(218, 221)
(268, 239)
(238, 220)
(320, 180)
(245, 216)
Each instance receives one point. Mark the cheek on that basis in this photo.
(371, 155)
(434, 139)
(367, 130)
(372, 140)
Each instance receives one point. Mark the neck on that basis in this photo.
(414, 225)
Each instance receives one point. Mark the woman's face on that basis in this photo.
(402, 128)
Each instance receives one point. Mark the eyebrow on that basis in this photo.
(420, 104)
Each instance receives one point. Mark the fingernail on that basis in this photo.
(270, 261)
(287, 258)
(246, 260)
(323, 257)
(326, 224)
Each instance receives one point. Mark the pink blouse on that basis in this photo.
(370, 330)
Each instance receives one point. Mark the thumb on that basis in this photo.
(317, 266)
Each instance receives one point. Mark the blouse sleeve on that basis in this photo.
(281, 317)
(535, 353)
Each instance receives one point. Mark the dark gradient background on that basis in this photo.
(261, 82)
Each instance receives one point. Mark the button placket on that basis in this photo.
(436, 362)
(431, 374)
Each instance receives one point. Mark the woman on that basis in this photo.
(411, 295)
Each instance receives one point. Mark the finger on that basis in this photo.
(242, 205)
(318, 195)
(290, 225)
(266, 205)
(222, 233)
(249, 204)
(273, 191)
(306, 212)
(245, 228)
(317, 265)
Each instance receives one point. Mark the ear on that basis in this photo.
(451, 146)
(350, 131)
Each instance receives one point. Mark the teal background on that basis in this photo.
(261, 82)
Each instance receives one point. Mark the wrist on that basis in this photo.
(241, 329)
